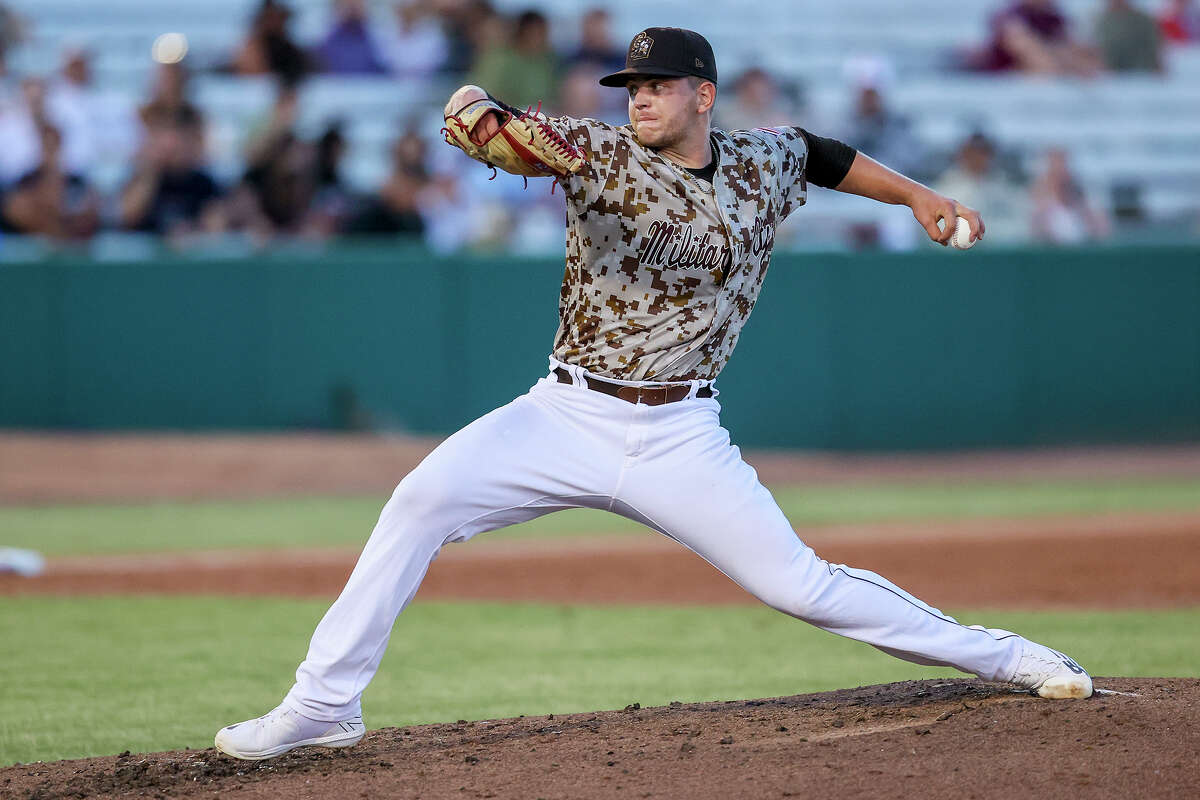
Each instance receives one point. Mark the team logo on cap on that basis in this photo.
(640, 46)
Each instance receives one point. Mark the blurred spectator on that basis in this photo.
(1180, 21)
(1034, 36)
(279, 167)
(12, 33)
(411, 153)
(471, 26)
(1061, 212)
(455, 217)
(757, 101)
(582, 96)
(349, 48)
(416, 47)
(240, 212)
(293, 185)
(872, 127)
(71, 104)
(1128, 38)
(269, 48)
(169, 97)
(394, 209)
(21, 121)
(49, 201)
(170, 193)
(977, 181)
(95, 127)
(535, 226)
(333, 202)
(596, 46)
(522, 71)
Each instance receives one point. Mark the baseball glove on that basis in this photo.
(524, 145)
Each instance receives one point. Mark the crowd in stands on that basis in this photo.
(291, 185)
(1036, 36)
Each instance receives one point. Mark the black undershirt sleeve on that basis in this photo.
(828, 160)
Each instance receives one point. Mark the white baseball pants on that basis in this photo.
(670, 467)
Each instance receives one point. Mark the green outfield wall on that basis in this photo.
(917, 351)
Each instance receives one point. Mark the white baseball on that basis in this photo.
(961, 239)
(169, 48)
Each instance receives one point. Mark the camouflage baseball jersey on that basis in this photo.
(662, 268)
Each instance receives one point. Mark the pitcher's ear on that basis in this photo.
(708, 95)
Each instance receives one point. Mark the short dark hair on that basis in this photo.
(528, 18)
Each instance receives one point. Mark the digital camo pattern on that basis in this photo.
(662, 269)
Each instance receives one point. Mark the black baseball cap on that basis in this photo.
(668, 52)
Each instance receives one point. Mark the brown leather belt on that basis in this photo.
(650, 395)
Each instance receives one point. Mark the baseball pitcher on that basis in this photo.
(670, 225)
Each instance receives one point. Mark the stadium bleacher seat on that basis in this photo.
(1116, 128)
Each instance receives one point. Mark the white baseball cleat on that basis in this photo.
(1051, 674)
(281, 730)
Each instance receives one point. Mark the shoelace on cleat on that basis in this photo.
(1039, 667)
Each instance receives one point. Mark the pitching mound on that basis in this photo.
(930, 739)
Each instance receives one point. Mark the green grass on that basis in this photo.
(955, 501)
(318, 522)
(93, 676)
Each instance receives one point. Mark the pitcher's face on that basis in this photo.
(663, 110)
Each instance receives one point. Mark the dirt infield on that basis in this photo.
(928, 739)
(51, 467)
(1110, 561)
(931, 739)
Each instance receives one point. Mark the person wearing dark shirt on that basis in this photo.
(596, 47)
(1035, 36)
(348, 48)
(467, 25)
(395, 208)
(1129, 39)
(334, 203)
(596, 56)
(280, 167)
(48, 201)
(269, 47)
(169, 194)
